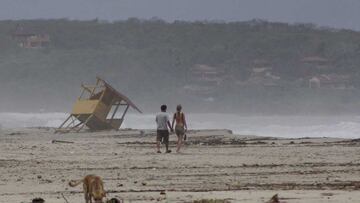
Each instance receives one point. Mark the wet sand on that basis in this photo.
(213, 164)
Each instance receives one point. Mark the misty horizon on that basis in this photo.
(327, 13)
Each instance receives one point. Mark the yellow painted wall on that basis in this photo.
(85, 106)
(102, 111)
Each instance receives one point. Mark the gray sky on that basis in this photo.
(333, 13)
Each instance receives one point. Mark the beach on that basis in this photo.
(214, 164)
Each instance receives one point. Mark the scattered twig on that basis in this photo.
(64, 198)
(61, 141)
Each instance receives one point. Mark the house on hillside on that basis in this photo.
(30, 39)
(261, 74)
(332, 81)
(204, 79)
(314, 82)
(202, 73)
(316, 62)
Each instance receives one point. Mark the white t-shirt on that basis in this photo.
(161, 120)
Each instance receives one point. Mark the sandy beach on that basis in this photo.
(214, 164)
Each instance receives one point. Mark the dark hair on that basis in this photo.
(163, 107)
(178, 107)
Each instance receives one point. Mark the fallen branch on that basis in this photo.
(61, 141)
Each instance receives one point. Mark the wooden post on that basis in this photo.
(87, 120)
(62, 124)
(116, 109)
(123, 116)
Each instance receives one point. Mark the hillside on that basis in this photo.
(253, 66)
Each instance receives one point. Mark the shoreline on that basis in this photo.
(269, 126)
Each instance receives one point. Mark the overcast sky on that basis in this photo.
(333, 13)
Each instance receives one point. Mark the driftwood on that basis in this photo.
(211, 201)
(61, 141)
(274, 199)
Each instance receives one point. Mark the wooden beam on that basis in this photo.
(87, 88)
(87, 120)
(63, 123)
(113, 115)
(73, 121)
(123, 116)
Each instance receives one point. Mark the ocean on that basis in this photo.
(275, 126)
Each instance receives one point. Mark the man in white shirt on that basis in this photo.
(163, 123)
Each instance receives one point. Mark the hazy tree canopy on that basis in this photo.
(152, 60)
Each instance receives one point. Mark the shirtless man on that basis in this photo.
(163, 122)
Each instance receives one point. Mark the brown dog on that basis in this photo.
(93, 188)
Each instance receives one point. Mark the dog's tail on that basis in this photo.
(74, 183)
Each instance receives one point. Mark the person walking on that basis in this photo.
(180, 127)
(163, 122)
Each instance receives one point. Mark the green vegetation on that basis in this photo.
(151, 61)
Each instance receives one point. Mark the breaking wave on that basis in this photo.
(275, 126)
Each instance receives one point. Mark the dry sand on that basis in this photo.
(214, 164)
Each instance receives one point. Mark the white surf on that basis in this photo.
(276, 126)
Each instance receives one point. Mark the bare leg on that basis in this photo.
(86, 197)
(90, 196)
(158, 146)
(179, 143)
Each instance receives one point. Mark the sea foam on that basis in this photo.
(275, 126)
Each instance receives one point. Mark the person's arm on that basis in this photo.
(173, 121)
(184, 120)
(168, 122)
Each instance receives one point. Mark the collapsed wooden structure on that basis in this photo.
(97, 108)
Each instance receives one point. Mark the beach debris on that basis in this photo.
(327, 194)
(97, 108)
(64, 198)
(114, 200)
(143, 183)
(44, 181)
(162, 192)
(38, 200)
(16, 133)
(211, 201)
(61, 141)
(274, 199)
